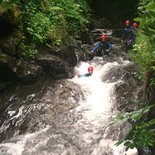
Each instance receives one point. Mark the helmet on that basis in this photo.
(127, 22)
(103, 37)
(134, 25)
(90, 68)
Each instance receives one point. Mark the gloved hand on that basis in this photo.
(92, 53)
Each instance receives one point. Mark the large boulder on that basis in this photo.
(7, 74)
(27, 71)
(9, 45)
(67, 53)
(54, 65)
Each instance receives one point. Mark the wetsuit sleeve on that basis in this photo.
(96, 47)
(85, 75)
(124, 34)
(82, 75)
(130, 33)
(134, 35)
(110, 46)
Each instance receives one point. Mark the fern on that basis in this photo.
(142, 134)
(49, 21)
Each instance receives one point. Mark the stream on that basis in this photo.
(66, 117)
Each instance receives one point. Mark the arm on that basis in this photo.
(124, 34)
(132, 34)
(96, 47)
(109, 47)
(85, 75)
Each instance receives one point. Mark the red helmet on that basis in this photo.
(103, 37)
(90, 68)
(134, 25)
(127, 22)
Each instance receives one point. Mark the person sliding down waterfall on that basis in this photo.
(102, 48)
(90, 72)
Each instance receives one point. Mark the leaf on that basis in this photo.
(38, 37)
(119, 142)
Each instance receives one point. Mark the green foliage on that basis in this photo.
(37, 27)
(7, 4)
(144, 49)
(152, 80)
(28, 51)
(142, 134)
(55, 20)
(132, 116)
(51, 22)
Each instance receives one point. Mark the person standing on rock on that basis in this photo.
(102, 48)
(128, 35)
(134, 25)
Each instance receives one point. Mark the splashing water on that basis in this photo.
(83, 130)
(99, 106)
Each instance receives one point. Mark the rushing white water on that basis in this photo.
(83, 130)
(99, 107)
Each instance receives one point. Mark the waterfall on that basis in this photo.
(84, 128)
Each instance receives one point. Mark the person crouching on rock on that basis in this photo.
(102, 48)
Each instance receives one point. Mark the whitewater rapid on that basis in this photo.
(83, 130)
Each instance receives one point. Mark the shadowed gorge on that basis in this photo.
(115, 11)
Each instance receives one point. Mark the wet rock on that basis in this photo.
(9, 45)
(27, 72)
(67, 53)
(7, 74)
(84, 54)
(130, 92)
(55, 66)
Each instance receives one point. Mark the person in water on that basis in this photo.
(90, 72)
(102, 48)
